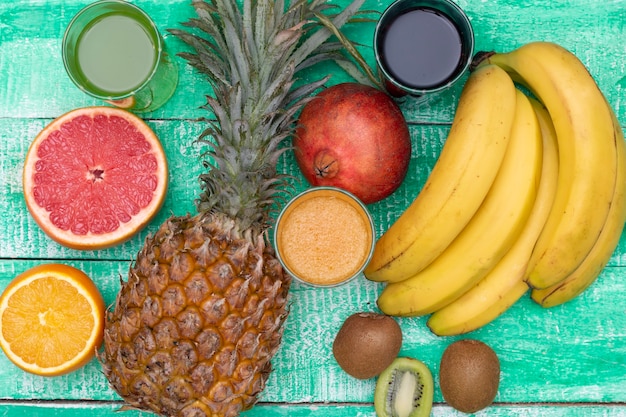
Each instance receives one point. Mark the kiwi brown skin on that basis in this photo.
(469, 375)
(367, 343)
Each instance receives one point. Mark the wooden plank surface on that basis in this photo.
(326, 410)
(566, 361)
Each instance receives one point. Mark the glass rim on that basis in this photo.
(154, 32)
(400, 4)
(369, 224)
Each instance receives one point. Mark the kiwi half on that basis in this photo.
(404, 389)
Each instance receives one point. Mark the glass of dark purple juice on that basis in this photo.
(422, 46)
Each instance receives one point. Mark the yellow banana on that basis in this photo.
(458, 183)
(505, 283)
(609, 238)
(587, 154)
(489, 234)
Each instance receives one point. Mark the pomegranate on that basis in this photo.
(354, 137)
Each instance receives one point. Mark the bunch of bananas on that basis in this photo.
(526, 194)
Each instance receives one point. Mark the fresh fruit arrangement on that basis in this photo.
(467, 167)
(368, 345)
(497, 224)
(564, 207)
(477, 305)
(528, 193)
(194, 328)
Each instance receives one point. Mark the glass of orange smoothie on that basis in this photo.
(324, 236)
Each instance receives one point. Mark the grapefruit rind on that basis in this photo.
(126, 230)
(85, 287)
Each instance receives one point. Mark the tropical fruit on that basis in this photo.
(195, 326)
(94, 177)
(457, 184)
(51, 319)
(575, 208)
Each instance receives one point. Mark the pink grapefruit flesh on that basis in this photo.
(94, 177)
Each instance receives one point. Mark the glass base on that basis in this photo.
(160, 88)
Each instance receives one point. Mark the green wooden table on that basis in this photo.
(567, 361)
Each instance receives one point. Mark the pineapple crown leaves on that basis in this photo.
(235, 45)
(250, 52)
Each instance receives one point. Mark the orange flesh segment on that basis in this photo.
(48, 322)
(51, 319)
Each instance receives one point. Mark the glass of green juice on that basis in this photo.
(113, 51)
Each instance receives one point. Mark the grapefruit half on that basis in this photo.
(94, 177)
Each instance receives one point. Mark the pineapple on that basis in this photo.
(194, 327)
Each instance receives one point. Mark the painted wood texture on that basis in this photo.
(566, 361)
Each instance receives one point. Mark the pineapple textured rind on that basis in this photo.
(198, 320)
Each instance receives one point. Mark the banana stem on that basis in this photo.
(480, 58)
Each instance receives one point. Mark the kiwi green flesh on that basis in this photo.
(404, 389)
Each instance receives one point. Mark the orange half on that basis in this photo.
(51, 320)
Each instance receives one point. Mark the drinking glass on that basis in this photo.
(113, 51)
(324, 236)
(422, 46)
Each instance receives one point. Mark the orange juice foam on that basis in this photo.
(324, 237)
